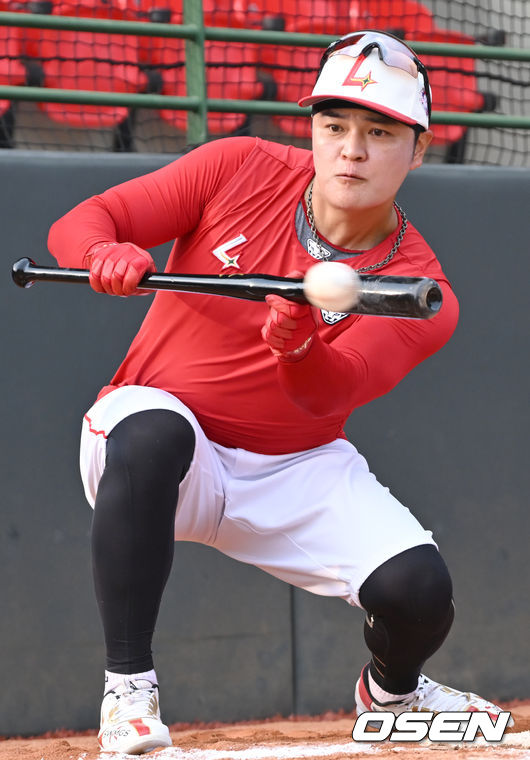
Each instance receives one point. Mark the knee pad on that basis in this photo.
(414, 587)
(408, 601)
(155, 443)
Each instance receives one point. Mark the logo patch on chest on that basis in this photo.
(314, 249)
(221, 252)
(332, 317)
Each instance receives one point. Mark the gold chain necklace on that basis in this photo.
(326, 254)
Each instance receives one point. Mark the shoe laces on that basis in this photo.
(134, 702)
(439, 697)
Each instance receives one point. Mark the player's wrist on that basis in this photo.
(95, 248)
(297, 354)
(289, 329)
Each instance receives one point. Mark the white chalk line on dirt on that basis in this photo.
(276, 752)
(511, 742)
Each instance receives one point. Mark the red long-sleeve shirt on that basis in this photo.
(206, 349)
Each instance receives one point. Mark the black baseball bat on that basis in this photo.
(380, 295)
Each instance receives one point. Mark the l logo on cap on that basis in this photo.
(362, 82)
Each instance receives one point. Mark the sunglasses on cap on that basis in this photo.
(391, 50)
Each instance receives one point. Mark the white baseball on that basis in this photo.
(332, 285)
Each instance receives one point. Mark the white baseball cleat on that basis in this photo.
(429, 696)
(130, 719)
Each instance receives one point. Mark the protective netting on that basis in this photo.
(124, 63)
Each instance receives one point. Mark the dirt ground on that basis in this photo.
(308, 738)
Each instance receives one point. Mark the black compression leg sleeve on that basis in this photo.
(408, 601)
(147, 456)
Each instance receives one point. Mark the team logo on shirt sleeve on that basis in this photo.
(221, 252)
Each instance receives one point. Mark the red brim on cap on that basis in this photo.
(312, 99)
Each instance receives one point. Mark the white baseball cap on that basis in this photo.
(377, 71)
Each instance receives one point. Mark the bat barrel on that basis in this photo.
(394, 296)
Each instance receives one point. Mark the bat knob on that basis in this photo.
(20, 273)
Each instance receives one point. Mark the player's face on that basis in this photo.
(361, 157)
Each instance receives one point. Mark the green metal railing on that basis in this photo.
(196, 102)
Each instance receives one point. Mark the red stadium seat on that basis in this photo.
(404, 18)
(86, 61)
(13, 73)
(221, 13)
(294, 72)
(13, 6)
(110, 9)
(150, 10)
(223, 80)
(12, 70)
(454, 88)
(322, 17)
(261, 14)
(231, 69)
(311, 16)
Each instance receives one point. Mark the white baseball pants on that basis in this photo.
(317, 519)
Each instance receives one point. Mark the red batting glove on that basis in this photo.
(117, 268)
(289, 328)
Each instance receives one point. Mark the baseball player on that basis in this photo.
(224, 423)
